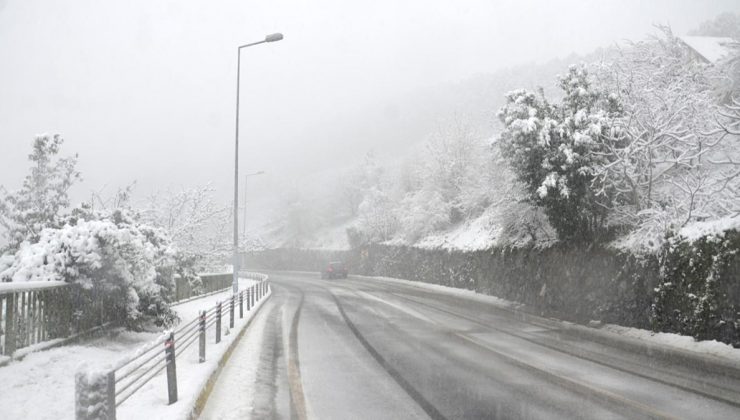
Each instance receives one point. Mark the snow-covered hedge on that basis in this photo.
(699, 293)
(127, 263)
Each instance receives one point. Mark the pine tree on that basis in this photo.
(37, 204)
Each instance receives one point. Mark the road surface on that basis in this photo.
(373, 349)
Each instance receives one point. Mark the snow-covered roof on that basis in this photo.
(709, 48)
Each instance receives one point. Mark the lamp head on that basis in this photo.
(274, 37)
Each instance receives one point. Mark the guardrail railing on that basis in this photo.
(209, 283)
(99, 393)
(32, 312)
(40, 311)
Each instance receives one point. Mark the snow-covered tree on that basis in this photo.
(457, 167)
(377, 219)
(663, 169)
(44, 194)
(448, 182)
(555, 150)
(193, 220)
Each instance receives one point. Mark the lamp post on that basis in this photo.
(268, 38)
(244, 219)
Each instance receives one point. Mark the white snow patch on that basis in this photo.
(697, 230)
(477, 234)
(677, 341)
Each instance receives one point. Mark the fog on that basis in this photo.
(145, 91)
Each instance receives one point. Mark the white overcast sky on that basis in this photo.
(144, 90)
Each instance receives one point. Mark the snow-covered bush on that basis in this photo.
(697, 289)
(555, 150)
(128, 264)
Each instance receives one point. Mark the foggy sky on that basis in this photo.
(145, 90)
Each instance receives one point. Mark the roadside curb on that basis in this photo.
(205, 392)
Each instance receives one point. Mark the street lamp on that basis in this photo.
(244, 219)
(268, 38)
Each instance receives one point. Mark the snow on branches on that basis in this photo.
(193, 220)
(674, 162)
(36, 205)
(555, 150)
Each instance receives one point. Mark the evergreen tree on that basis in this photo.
(555, 149)
(37, 204)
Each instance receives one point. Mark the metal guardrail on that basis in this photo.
(99, 393)
(210, 283)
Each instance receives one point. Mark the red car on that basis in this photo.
(335, 270)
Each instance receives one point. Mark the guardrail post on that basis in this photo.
(169, 352)
(249, 305)
(10, 324)
(111, 395)
(231, 312)
(95, 395)
(241, 304)
(202, 338)
(218, 322)
(253, 293)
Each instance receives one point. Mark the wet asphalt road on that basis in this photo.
(370, 349)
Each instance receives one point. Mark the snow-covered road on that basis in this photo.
(368, 348)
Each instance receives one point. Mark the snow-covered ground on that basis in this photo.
(476, 234)
(677, 341)
(41, 386)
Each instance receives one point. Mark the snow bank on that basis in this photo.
(683, 342)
